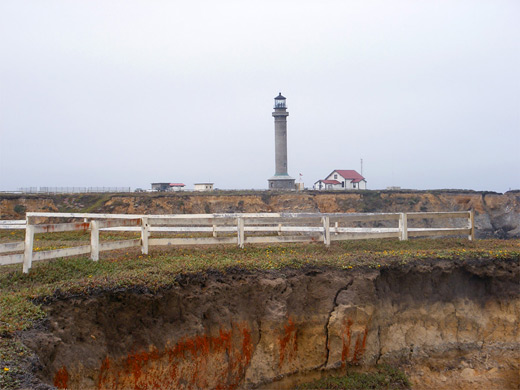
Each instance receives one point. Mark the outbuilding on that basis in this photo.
(167, 187)
(203, 187)
(160, 186)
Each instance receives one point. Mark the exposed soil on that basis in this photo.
(450, 325)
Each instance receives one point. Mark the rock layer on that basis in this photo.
(450, 325)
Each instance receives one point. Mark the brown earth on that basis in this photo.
(450, 325)
(497, 215)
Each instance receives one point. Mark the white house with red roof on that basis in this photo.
(342, 179)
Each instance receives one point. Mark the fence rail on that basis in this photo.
(13, 224)
(239, 229)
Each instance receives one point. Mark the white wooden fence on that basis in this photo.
(239, 229)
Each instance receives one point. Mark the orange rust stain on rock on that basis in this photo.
(136, 362)
(61, 378)
(288, 342)
(105, 367)
(347, 333)
(359, 348)
(223, 342)
(193, 362)
(247, 344)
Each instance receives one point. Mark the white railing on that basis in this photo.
(239, 229)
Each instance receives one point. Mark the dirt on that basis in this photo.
(496, 215)
(450, 325)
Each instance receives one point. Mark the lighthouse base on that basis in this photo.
(285, 182)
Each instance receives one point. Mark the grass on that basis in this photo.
(11, 352)
(384, 377)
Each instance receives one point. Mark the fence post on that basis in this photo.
(214, 229)
(403, 227)
(336, 225)
(29, 240)
(326, 230)
(145, 233)
(471, 221)
(240, 232)
(279, 229)
(94, 240)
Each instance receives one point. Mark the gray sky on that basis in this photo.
(125, 93)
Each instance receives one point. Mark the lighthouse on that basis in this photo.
(281, 179)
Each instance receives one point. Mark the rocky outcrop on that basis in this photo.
(450, 325)
(496, 215)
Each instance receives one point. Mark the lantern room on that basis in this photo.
(279, 101)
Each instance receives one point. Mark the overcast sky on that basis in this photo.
(125, 93)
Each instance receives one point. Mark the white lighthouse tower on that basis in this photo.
(281, 179)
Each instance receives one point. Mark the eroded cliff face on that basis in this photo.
(497, 215)
(450, 325)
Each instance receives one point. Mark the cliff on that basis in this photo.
(451, 325)
(496, 215)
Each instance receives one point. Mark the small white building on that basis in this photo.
(203, 187)
(342, 179)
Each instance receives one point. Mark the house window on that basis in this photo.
(343, 184)
(354, 185)
(335, 176)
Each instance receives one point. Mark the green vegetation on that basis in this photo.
(19, 209)
(373, 202)
(62, 239)
(80, 203)
(383, 378)
(12, 352)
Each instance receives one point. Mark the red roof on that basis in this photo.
(177, 185)
(330, 181)
(350, 175)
